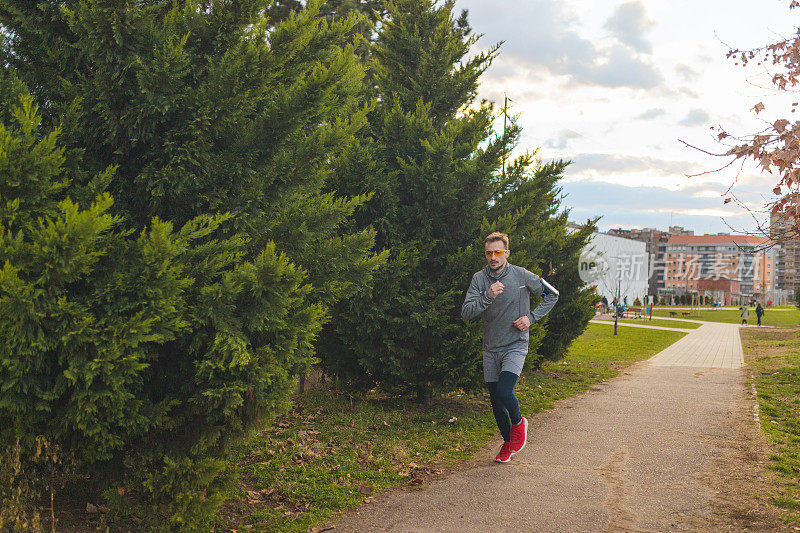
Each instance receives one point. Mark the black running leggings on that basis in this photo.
(504, 404)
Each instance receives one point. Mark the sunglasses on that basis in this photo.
(496, 253)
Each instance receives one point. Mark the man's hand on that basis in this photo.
(495, 289)
(522, 323)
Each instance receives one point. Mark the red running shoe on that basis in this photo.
(505, 453)
(519, 436)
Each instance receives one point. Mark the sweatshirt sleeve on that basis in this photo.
(537, 285)
(476, 302)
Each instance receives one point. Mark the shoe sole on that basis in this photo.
(525, 442)
(496, 460)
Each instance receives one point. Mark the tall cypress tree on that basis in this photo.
(433, 161)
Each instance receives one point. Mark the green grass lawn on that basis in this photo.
(657, 322)
(773, 317)
(773, 357)
(333, 451)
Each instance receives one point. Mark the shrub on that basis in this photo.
(140, 356)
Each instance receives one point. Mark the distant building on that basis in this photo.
(744, 260)
(781, 230)
(721, 289)
(656, 241)
(625, 267)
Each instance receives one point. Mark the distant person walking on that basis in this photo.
(500, 295)
(744, 313)
(759, 312)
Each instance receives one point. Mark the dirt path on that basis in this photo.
(663, 447)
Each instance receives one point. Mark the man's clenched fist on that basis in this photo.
(495, 289)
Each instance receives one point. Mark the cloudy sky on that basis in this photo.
(614, 85)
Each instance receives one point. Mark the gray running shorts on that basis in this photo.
(507, 360)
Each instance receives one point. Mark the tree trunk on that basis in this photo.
(425, 395)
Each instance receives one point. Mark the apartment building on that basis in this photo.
(656, 242)
(747, 263)
(781, 229)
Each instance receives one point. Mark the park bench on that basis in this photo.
(686, 313)
(673, 313)
(633, 312)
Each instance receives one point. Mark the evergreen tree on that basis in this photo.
(206, 107)
(429, 159)
(141, 356)
(182, 314)
(433, 161)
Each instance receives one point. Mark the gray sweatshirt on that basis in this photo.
(499, 313)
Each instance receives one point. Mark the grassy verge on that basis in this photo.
(773, 317)
(657, 322)
(332, 451)
(774, 360)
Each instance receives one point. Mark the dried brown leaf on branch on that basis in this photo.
(776, 149)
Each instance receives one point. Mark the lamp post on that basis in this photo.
(619, 288)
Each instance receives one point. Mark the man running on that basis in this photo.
(500, 294)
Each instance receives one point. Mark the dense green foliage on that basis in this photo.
(433, 161)
(141, 355)
(144, 335)
(431, 183)
(204, 108)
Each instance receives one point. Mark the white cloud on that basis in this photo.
(629, 23)
(543, 38)
(632, 88)
(611, 164)
(687, 73)
(695, 117)
(650, 114)
(563, 138)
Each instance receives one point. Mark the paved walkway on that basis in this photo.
(628, 455)
(681, 319)
(712, 345)
(646, 326)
